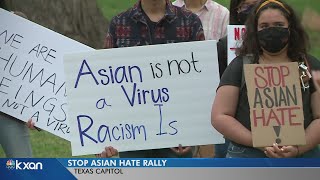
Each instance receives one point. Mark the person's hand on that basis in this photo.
(181, 150)
(108, 152)
(290, 151)
(316, 80)
(31, 125)
(281, 152)
(273, 151)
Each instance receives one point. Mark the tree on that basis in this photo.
(80, 20)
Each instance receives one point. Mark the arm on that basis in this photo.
(222, 116)
(312, 131)
(312, 135)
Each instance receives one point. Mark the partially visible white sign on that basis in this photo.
(32, 83)
(235, 33)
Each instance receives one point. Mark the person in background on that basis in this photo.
(14, 134)
(239, 12)
(152, 22)
(316, 80)
(272, 33)
(214, 17)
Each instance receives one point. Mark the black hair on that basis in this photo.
(298, 43)
(234, 4)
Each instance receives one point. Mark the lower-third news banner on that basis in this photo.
(118, 168)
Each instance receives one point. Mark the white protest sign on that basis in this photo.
(145, 97)
(235, 33)
(32, 83)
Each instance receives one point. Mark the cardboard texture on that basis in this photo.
(276, 108)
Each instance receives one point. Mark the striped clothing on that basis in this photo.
(214, 18)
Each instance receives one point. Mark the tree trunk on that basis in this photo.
(80, 20)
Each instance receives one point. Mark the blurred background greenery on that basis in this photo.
(45, 144)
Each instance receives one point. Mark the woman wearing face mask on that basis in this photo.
(239, 11)
(274, 35)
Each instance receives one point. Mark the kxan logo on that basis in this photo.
(23, 165)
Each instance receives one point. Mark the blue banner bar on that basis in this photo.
(33, 168)
(192, 162)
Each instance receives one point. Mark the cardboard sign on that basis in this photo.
(32, 81)
(276, 108)
(145, 97)
(235, 33)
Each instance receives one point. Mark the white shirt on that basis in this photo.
(214, 18)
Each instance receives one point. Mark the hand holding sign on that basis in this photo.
(139, 98)
(181, 150)
(290, 151)
(274, 95)
(31, 125)
(31, 78)
(108, 152)
(281, 152)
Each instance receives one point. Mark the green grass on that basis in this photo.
(315, 43)
(111, 7)
(45, 144)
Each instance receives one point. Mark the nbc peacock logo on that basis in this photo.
(10, 164)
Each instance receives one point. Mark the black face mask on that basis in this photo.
(243, 15)
(273, 39)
